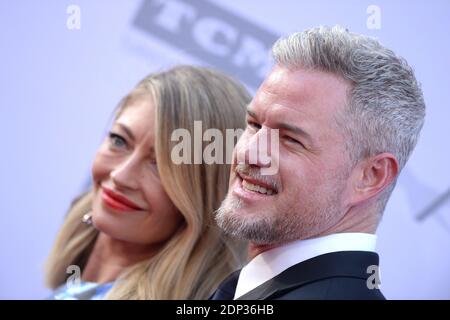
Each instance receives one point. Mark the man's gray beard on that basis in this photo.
(258, 229)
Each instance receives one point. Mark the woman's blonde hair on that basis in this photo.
(198, 256)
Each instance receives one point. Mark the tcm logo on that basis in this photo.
(212, 34)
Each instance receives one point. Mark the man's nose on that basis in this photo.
(258, 149)
(126, 174)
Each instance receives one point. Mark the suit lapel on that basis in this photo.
(344, 263)
(227, 288)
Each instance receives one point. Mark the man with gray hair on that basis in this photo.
(348, 113)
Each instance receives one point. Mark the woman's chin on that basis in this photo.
(103, 223)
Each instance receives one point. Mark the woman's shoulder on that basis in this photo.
(81, 290)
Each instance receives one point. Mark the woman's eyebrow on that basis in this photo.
(127, 130)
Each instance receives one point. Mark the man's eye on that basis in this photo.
(117, 141)
(254, 125)
(292, 140)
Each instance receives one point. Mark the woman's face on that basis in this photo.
(130, 203)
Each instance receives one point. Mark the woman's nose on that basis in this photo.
(126, 174)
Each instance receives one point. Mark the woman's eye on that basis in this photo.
(117, 141)
(154, 166)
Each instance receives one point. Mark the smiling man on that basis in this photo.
(348, 113)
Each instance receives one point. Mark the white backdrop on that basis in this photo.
(59, 84)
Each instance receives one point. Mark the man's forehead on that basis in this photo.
(277, 115)
(301, 93)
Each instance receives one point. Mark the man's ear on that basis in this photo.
(372, 176)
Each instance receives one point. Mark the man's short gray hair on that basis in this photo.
(386, 109)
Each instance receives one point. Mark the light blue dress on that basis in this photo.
(82, 291)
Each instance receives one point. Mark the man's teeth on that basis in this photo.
(256, 188)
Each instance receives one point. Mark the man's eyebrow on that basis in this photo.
(286, 126)
(296, 130)
(127, 130)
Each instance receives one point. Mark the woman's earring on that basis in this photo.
(87, 219)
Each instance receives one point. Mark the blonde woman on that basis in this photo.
(146, 229)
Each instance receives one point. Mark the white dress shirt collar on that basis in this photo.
(270, 263)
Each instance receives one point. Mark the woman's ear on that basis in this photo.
(372, 176)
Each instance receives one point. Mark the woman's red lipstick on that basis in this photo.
(117, 201)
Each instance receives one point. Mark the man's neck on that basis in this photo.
(255, 249)
(355, 220)
(110, 257)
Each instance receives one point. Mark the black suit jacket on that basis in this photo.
(331, 276)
